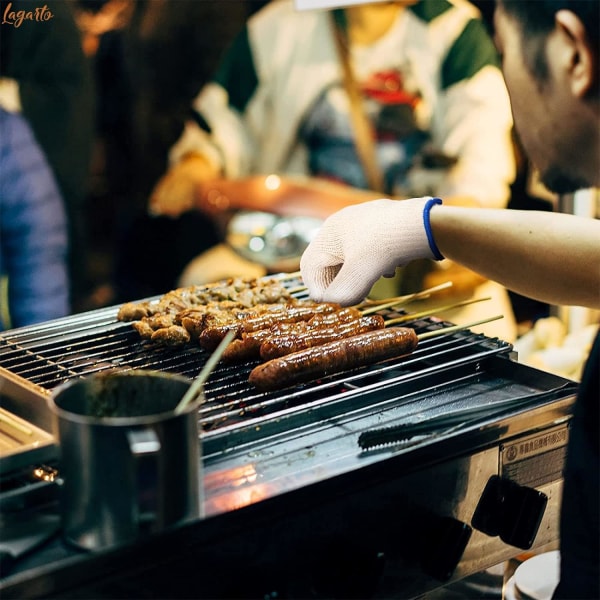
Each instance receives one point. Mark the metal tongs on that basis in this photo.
(452, 421)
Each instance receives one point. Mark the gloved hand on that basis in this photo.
(360, 243)
(177, 191)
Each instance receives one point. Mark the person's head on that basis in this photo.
(551, 61)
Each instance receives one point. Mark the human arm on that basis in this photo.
(216, 140)
(548, 256)
(552, 257)
(177, 190)
(246, 120)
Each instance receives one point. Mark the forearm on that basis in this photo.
(551, 257)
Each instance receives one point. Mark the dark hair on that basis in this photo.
(536, 20)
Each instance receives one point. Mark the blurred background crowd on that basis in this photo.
(149, 59)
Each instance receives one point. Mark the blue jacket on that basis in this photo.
(33, 228)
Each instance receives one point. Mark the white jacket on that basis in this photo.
(283, 60)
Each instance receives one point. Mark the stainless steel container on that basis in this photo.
(129, 465)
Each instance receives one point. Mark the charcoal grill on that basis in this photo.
(383, 481)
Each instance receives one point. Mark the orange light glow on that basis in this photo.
(233, 488)
(273, 182)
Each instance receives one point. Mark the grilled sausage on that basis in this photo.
(344, 315)
(348, 353)
(215, 325)
(248, 346)
(275, 346)
(291, 314)
(212, 336)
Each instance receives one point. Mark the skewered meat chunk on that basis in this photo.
(143, 328)
(148, 325)
(175, 335)
(189, 307)
(246, 292)
(344, 354)
(132, 311)
(193, 319)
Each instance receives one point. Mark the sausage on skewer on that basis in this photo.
(248, 345)
(343, 315)
(284, 338)
(357, 351)
(340, 355)
(210, 337)
(276, 346)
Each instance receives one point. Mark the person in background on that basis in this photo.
(33, 230)
(551, 62)
(149, 59)
(430, 90)
(45, 76)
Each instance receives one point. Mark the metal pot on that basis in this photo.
(129, 465)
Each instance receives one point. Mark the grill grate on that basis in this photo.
(57, 351)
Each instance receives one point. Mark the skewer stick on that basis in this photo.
(402, 300)
(293, 275)
(387, 302)
(378, 307)
(453, 328)
(208, 368)
(375, 305)
(295, 290)
(433, 311)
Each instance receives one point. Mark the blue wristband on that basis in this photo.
(432, 245)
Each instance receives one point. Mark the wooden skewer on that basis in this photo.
(295, 290)
(403, 300)
(433, 311)
(208, 368)
(375, 305)
(378, 307)
(293, 275)
(453, 328)
(400, 301)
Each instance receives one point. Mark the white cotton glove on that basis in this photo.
(361, 243)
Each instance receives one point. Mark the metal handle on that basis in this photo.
(455, 419)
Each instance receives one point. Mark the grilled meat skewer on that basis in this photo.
(248, 345)
(276, 346)
(357, 351)
(333, 357)
(210, 337)
(245, 291)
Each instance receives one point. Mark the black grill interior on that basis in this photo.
(54, 352)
